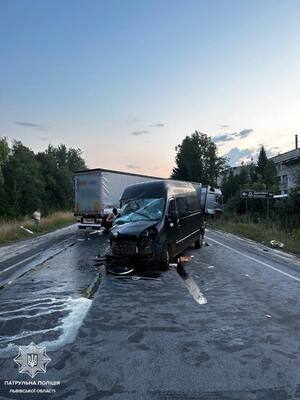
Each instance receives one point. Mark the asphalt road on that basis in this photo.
(226, 326)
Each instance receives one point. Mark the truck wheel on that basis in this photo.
(199, 242)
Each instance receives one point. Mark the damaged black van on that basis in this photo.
(157, 221)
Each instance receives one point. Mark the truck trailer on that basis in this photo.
(99, 190)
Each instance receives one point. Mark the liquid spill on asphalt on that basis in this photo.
(47, 305)
(191, 285)
(67, 315)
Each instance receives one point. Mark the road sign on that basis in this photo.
(256, 194)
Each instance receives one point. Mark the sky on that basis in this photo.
(126, 80)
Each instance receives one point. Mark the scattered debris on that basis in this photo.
(185, 258)
(206, 244)
(210, 267)
(119, 270)
(276, 243)
(26, 230)
(268, 316)
(247, 275)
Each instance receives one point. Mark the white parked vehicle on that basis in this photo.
(211, 199)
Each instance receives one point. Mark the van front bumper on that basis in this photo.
(147, 256)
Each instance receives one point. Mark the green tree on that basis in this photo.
(4, 152)
(270, 176)
(23, 184)
(266, 173)
(197, 160)
(262, 162)
(230, 185)
(57, 166)
(243, 177)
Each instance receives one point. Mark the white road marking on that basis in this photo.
(256, 260)
(20, 262)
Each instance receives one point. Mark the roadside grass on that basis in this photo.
(262, 232)
(10, 231)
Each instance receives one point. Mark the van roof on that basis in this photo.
(157, 189)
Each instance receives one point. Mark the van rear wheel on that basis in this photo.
(199, 242)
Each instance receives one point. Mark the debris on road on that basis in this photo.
(276, 244)
(185, 259)
(119, 270)
(26, 230)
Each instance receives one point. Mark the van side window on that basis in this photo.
(182, 205)
(193, 203)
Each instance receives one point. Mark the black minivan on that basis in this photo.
(157, 221)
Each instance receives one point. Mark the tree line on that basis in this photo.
(44, 180)
(31, 180)
(254, 176)
(197, 160)
(261, 176)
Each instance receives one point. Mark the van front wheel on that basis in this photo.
(165, 259)
(199, 242)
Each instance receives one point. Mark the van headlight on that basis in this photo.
(149, 235)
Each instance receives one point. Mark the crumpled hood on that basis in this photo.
(131, 228)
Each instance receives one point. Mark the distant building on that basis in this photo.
(288, 165)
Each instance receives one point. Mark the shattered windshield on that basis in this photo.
(141, 210)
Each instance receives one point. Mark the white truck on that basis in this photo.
(211, 199)
(97, 191)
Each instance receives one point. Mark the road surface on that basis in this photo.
(226, 326)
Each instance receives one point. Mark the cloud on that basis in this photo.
(133, 166)
(236, 156)
(271, 151)
(131, 120)
(160, 125)
(225, 126)
(226, 137)
(244, 133)
(32, 125)
(139, 133)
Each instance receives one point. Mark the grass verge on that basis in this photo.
(262, 232)
(10, 231)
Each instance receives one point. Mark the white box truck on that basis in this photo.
(97, 191)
